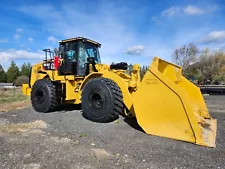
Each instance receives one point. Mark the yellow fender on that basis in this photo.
(127, 98)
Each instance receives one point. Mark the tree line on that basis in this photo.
(201, 66)
(14, 74)
(143, 70)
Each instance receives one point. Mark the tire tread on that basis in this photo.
(117, 106)
(52, 95)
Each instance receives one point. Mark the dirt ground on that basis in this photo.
(65, 139)
(12, 99)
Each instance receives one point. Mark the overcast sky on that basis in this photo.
(132, 31)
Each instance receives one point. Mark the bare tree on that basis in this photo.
(185, 56)
(56, 51)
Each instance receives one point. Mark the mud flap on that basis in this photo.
(166, 104)
(26, 90)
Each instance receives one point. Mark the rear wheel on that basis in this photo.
(43, 96)
(102, 100)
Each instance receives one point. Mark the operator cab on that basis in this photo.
(77, 54)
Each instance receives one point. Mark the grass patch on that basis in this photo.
(83, 135)
(12, 95)
(23, 127)
(117, 121)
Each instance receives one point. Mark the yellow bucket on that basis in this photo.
(167, 104)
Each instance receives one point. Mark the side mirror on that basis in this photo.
(91, 60)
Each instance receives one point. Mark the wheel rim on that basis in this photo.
(39, 96)
(96, 100)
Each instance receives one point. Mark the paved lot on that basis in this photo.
(65, 139)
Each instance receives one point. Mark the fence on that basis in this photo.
(213, 89)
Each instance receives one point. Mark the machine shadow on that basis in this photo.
(132, 122)
(68, 107)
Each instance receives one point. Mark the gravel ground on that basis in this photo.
(65, 139)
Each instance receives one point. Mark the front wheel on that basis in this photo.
(102, 100)
(43, 96)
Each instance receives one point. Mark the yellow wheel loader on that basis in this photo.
(164, 102)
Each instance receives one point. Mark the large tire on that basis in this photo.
(43, 96)
(102, 100)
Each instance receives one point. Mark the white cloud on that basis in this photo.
(19, 54)
(52, 39)
(214, 36)
(3, 40)
(19, 30)
(135, 50)
(30, 39)
(17, 36)
(193, 10)
(172, 11)
(12, 54)
(188, 10)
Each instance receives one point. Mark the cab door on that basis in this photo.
(69, 53)
(82, 59)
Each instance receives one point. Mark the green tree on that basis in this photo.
(143, 71)
(25, 69)
(21, 80)
(129, 70)
(12, 73)
(210, 67)
(2, 75)
(199, 75)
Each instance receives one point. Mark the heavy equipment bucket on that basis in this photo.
(167, 104)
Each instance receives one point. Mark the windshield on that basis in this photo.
(92, 51)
